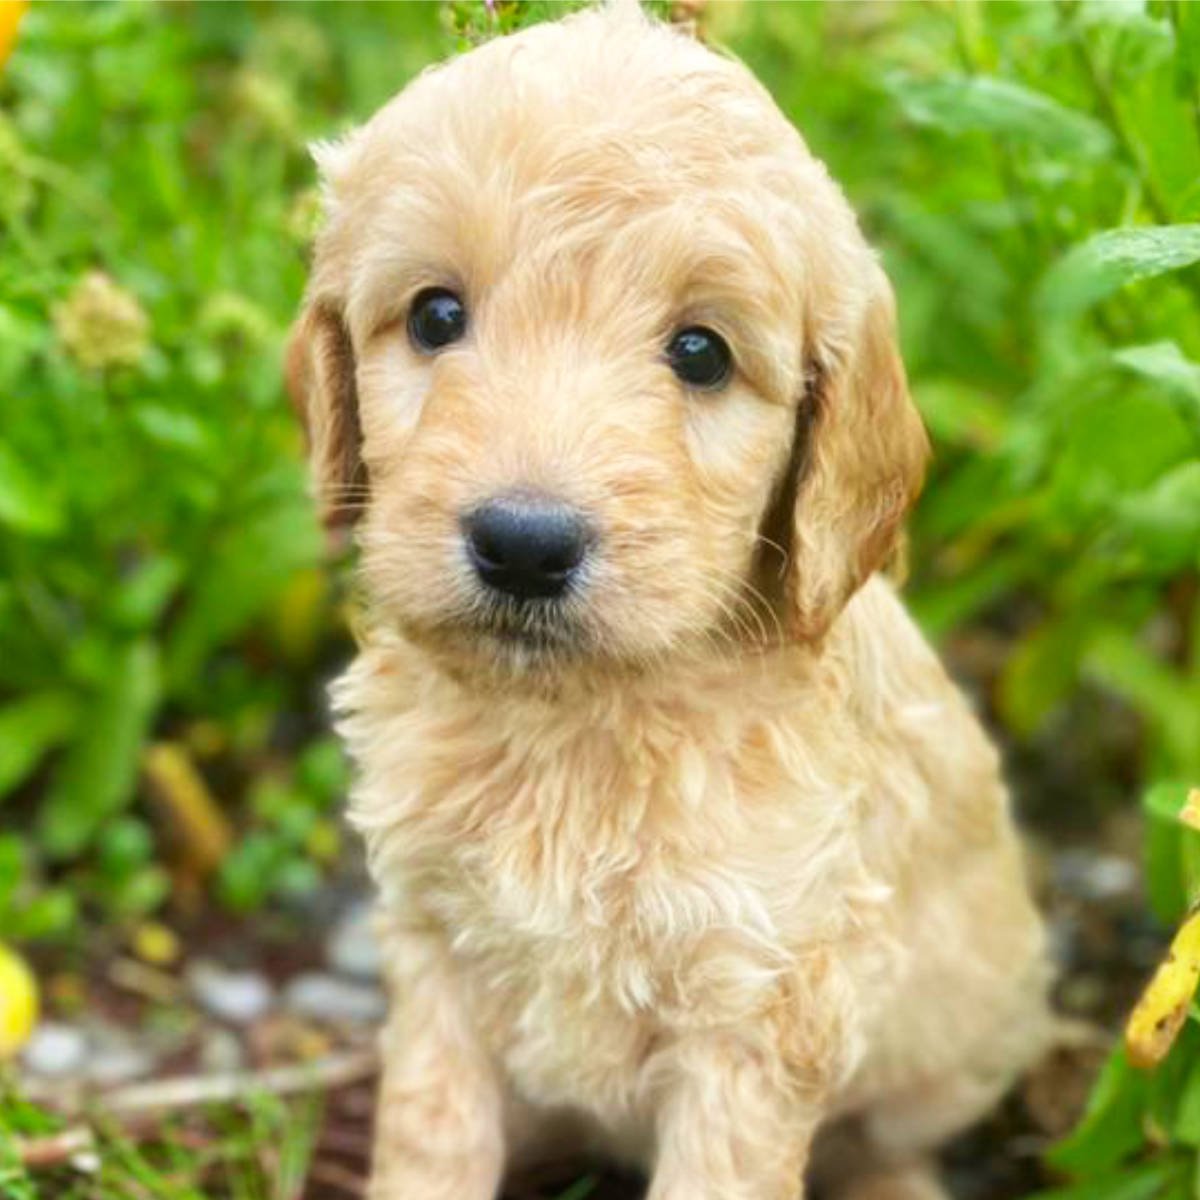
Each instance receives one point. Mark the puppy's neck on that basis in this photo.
(610, 690)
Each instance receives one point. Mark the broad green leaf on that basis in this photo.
(28, 729)
(1186, 19)
(1187, 1113)
(1163, 523)
(25, 504)
(1154, 1179)
(1165, 364)
(1175, 1088)
(247, 568)
(1171, 850)
(1163, 697)
(140, 599)
(959, 414)
(1113, 445)
(1169, 1080)
(13, 854)
(1111, 260)
(1110, 1129)
(98, 775)
(1041, 670)
(176, 430)
(1002, 107)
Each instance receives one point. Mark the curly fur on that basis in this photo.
(710, 858)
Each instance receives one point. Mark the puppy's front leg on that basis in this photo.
(438, 1127)
(732, 1123)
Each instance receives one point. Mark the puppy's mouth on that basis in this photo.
(534, 627)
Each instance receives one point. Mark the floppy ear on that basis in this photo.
(857, 465)
(319, 366)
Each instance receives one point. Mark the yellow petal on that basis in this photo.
(18, 1002)
(1163, 1007)
(10, 18)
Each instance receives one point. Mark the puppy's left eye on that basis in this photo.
(700, 358)
(437, 319)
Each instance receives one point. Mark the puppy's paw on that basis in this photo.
(914, 1181)
(402, 1174)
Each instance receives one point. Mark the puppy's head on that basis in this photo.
(596, 357)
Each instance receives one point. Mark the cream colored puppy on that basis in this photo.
(684, 840)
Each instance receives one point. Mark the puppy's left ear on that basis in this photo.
(858, 465)
(319, 368)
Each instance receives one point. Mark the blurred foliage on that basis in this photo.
(259, 1149)
(1031, 173)
(160, 565)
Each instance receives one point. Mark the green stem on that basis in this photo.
(1106, 103)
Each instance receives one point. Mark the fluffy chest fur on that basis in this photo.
(615, 869)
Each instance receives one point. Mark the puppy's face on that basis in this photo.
(597, 358)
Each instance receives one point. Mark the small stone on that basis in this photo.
(55, 1050)
(1091, 876)
(235, 996)
(352, 948)
(1065, 941)
(221, 1052)
(334, 1000)
(115, 1056)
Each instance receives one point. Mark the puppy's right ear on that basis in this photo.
(319, 366)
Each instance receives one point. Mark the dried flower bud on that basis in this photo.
(102, 325)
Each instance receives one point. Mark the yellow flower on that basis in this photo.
(101, 324)
(18, 1002)
(10, 18)
(1163, 1007)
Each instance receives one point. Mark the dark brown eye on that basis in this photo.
(436, 319)
(701, 358)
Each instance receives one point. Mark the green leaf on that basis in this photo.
(25, 505)
(98, 775)
(1164, 521)
(1171, 851)
(1187, 1113)
(1158, 692)
(1143, 1182)
(28, 729)
(1165, 364)
(1186, 19)
(1169, 1081)
(1111, 446)
(172, 429)
(1111, 260)
(248, 567)
(959, 414)
(140, 599)
(1111, 1127)
(983, 104)
(1041, 670)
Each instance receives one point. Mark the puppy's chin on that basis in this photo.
(508, 642)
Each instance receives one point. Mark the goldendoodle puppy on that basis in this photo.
(686, 846)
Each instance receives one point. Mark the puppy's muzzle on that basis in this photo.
(526, 546)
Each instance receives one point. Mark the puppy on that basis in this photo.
(686, 846)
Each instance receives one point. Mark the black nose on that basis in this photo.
(525, 546)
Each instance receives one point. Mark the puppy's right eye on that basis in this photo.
(436, 319)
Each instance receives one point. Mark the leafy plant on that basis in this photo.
(1029, 170)
(160, 564)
